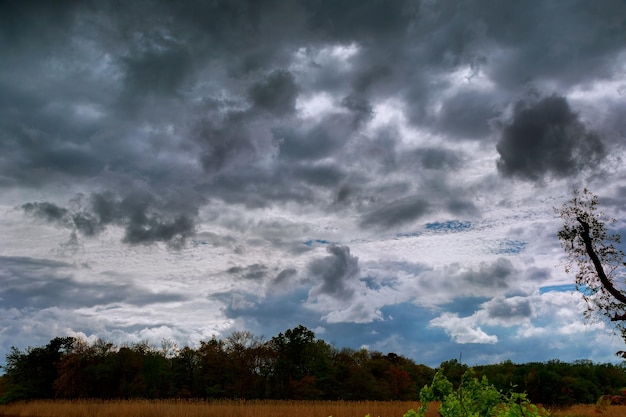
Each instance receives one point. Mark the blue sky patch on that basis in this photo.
(449, 226)
(558, 288)
(511, 247)
(312, 242)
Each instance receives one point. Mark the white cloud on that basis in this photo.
(463, 329)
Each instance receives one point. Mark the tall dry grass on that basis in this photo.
(585, 410)
(221, 408)
(224, 408)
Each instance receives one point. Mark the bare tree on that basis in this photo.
(592, 254)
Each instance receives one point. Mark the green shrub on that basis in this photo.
(474, 398)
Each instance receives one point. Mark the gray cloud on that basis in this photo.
(284, 276)
(508, 309)
(276, 94)
(337, 273)
(360, 107)
(497, 275)
(546, 138)
(437, 158)
(315, 142)
(156, 72)
(41, 283)
(542, 34)
(397, 212)
(253, 272)
(468, 114)
(47, 211)
(137, 213)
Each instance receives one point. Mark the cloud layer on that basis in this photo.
(383, 173)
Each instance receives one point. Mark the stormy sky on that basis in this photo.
(381, 172)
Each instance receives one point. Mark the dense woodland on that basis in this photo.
(292, 365)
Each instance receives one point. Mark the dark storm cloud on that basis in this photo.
(542, 34)
(15, 16)
(219, 82)
(137, 213)
(276, 94)
(41, 283)
(546, 138)
(156, 72)
(365, 20)
(33, 156)
(337, 273)
(397, 212)
(226, 145)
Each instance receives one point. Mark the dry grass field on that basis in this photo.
(247, 409)
(220, 408)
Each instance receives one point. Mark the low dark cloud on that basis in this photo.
(276, 94)
(337, 273)
(367, 19)
(138, 214)
(46, 211)
(157, 72)
(545, 138)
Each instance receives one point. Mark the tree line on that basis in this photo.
(292, 365)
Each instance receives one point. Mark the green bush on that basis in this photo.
(474, 398)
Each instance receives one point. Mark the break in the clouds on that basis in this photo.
(381, 172)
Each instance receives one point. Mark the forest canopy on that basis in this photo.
(291, 365)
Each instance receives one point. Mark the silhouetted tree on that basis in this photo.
(593, 256)
(31, 374)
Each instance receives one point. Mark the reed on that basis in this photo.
(241, 408)
(220, 408)
(589, 410)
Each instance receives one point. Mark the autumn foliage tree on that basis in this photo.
(593, 255)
